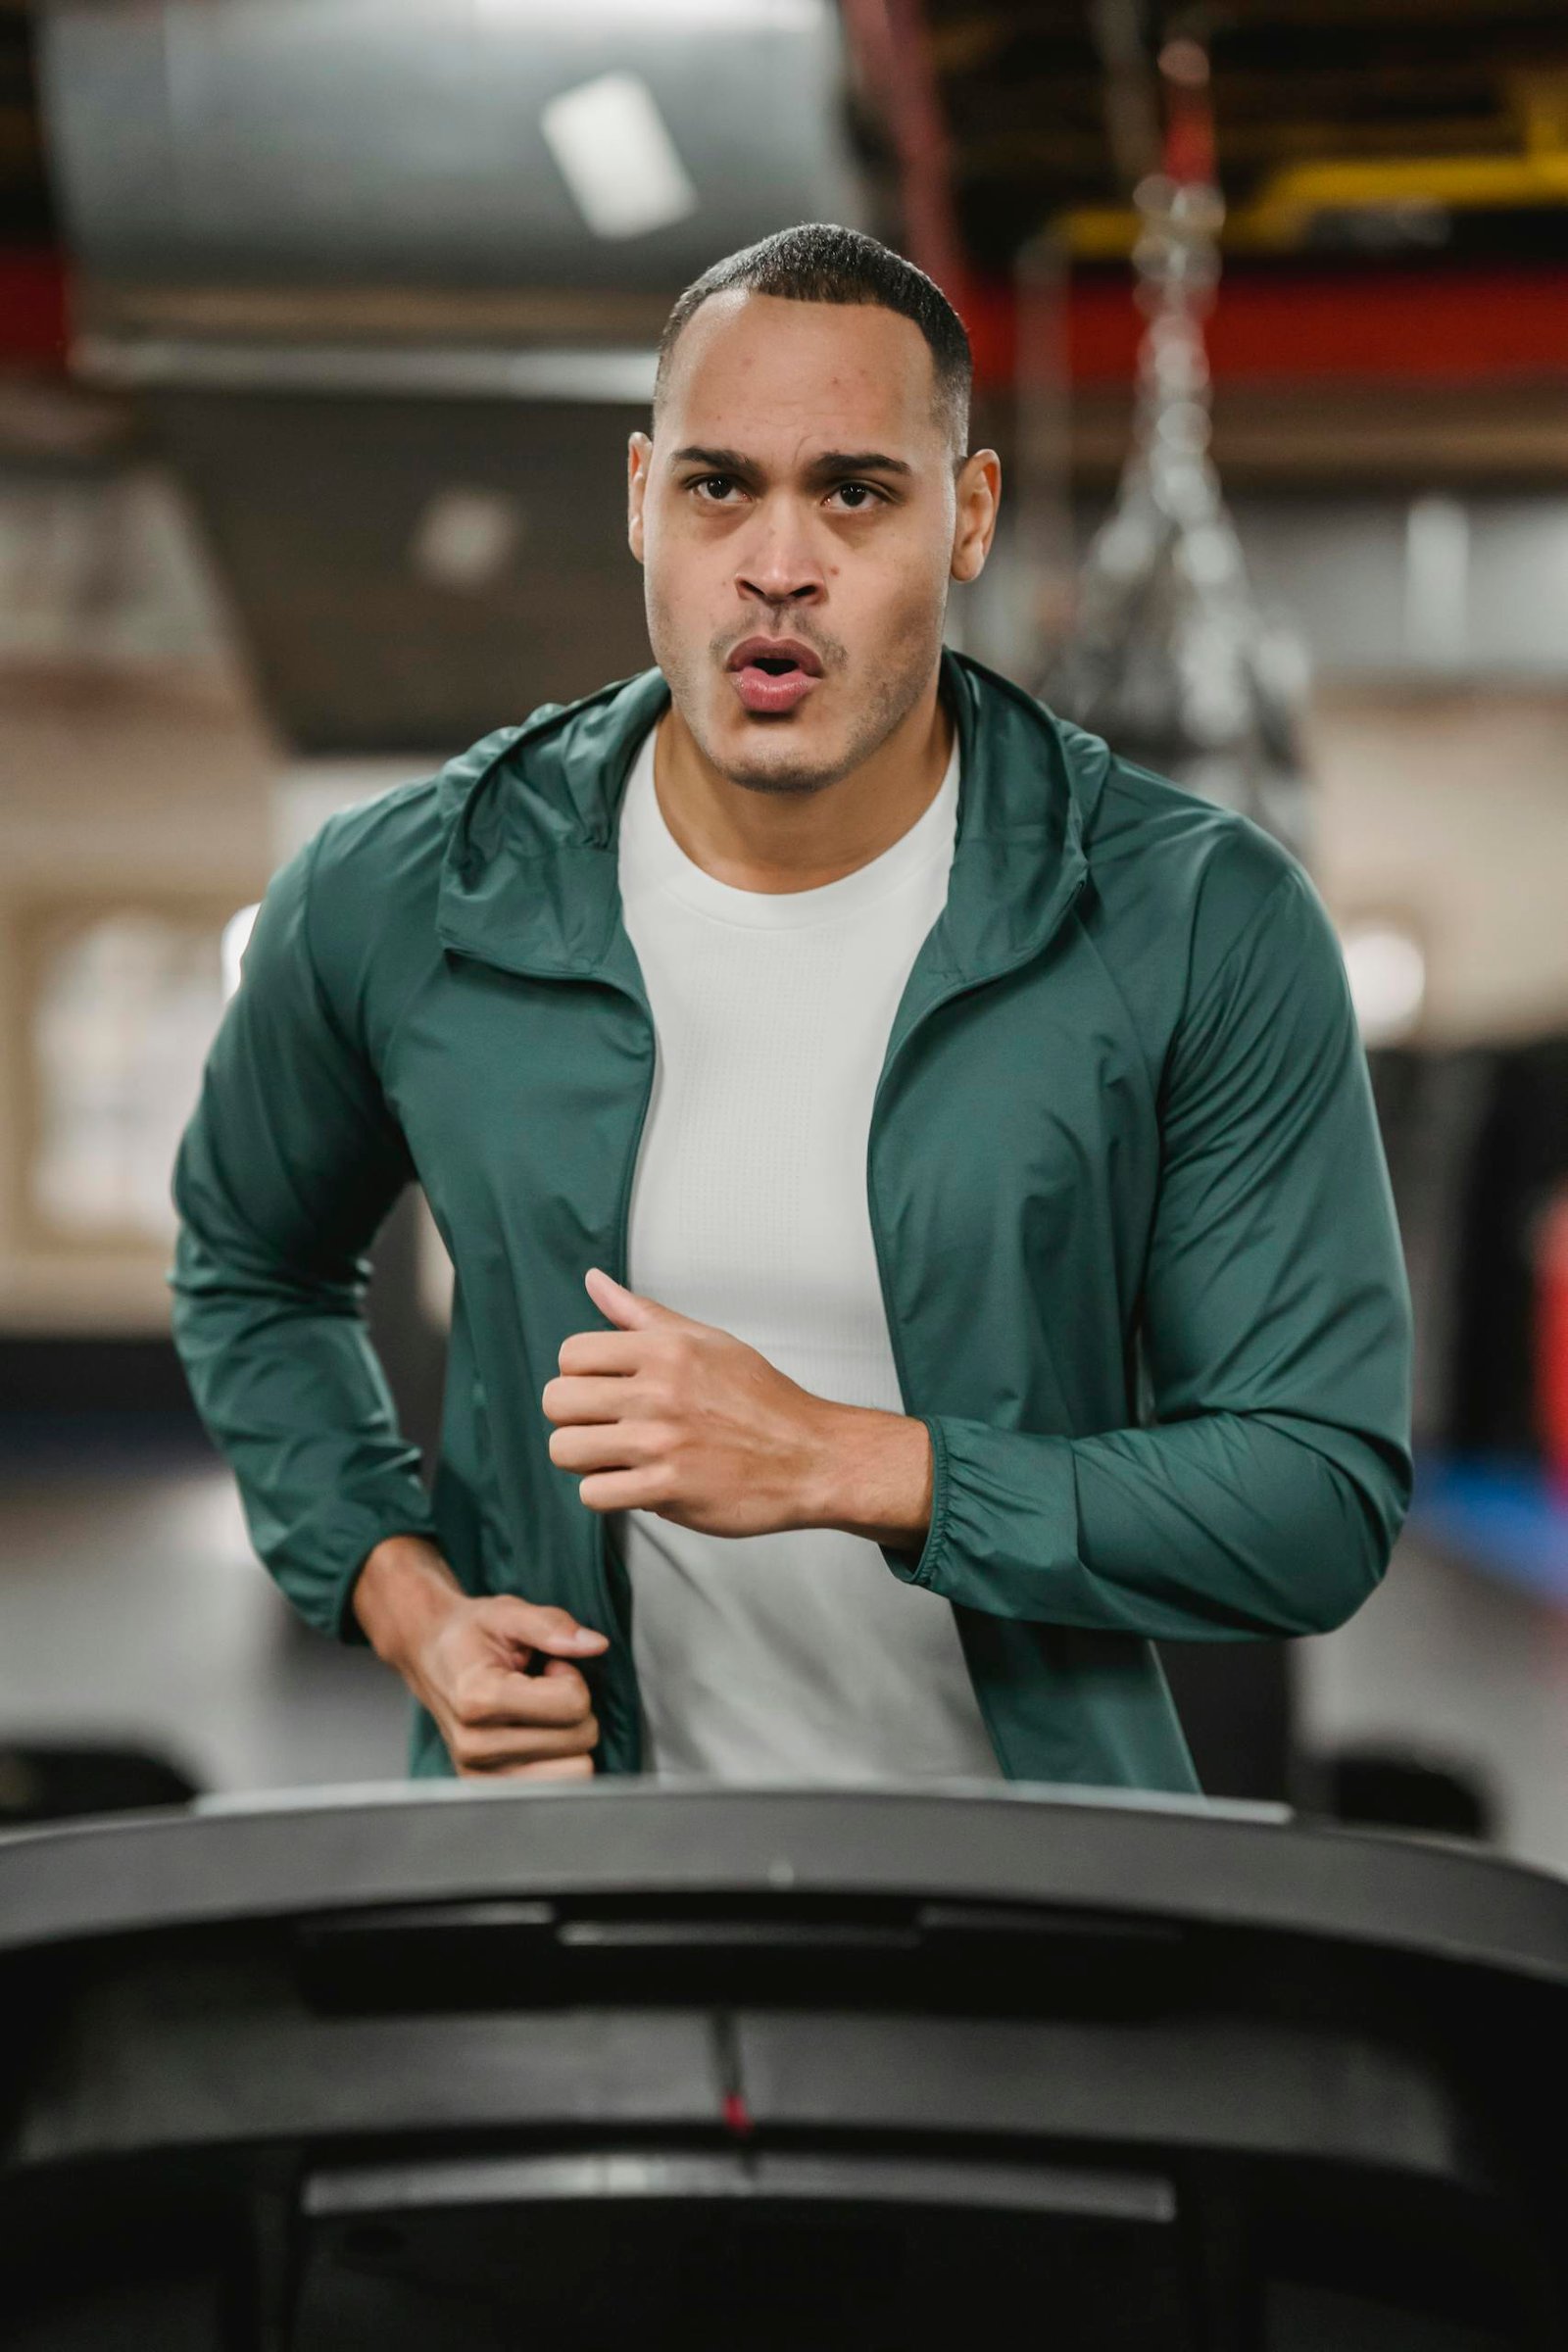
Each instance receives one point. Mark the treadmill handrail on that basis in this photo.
(1227, 1866)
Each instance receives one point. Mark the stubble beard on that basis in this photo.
(878, 712)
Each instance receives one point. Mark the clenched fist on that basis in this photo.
(680, 1418)
(683, 1419)
(465, 1660)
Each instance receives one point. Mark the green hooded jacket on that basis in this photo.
(1136, 1244)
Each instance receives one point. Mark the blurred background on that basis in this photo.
(323, 324)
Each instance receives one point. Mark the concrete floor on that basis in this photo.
(1450, 1664)
(132, 1607)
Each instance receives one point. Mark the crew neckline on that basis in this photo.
(648, 845)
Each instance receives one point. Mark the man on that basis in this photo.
(979, 1123)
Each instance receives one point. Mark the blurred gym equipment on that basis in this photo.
(1169, 657)
(50, 1781)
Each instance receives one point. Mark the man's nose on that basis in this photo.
(779, 567)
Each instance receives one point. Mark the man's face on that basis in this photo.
(798, 519)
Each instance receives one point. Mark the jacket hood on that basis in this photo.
(529, 872)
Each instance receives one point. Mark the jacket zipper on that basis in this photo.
(620, 1269)
(895, 1335)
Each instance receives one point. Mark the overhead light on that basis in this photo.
(466, 539)
(617, 156)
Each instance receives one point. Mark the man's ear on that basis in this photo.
(639, 457)
(979, 495)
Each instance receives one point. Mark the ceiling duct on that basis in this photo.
(389, 275)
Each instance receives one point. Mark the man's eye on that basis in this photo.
(713, 489)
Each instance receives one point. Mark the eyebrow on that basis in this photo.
(834, 465)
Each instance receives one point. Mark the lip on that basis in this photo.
(766, 691)
(784, 649)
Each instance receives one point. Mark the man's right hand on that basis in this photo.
(464, 1660)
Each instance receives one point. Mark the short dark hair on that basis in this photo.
(820, 261)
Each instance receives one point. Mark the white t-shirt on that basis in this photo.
(796, 1655)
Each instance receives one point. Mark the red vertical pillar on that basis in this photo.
(1551, 1340)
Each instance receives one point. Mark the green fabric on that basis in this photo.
(1139, 1254)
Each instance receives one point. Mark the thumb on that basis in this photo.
(540, 1626)
(629, 1309)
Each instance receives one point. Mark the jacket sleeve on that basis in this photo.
(289, 1165)
(1266, 1496)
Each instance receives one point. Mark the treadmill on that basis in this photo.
(448, 2068)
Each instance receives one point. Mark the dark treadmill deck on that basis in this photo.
(629, 2063)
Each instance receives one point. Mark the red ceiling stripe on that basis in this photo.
(1450, 327)
(1438, 327)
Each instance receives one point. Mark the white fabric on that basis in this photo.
(796, 1655)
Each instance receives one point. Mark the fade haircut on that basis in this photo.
(820, 261)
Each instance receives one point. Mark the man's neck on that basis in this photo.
(785, 841)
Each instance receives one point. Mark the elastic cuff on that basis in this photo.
(347, 1628)
(925, 1565)
(325, 1551)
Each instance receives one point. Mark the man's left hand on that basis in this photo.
(670, 1415)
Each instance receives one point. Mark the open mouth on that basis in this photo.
(774, 677)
